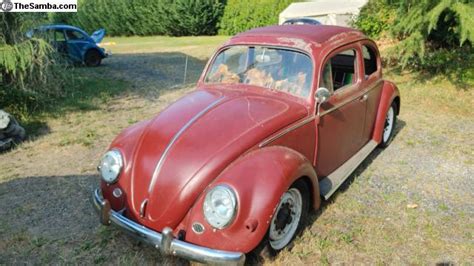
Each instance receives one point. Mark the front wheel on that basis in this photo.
(93, 58)
(389, 126)
(288, 220)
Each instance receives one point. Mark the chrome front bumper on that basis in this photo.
(163, 241)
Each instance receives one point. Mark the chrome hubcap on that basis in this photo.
(388, 124)
(286, 219)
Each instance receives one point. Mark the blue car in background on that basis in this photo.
(302, 21)
(73, 42)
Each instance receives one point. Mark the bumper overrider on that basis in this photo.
(163, 241)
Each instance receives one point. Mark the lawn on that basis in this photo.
(408, 204)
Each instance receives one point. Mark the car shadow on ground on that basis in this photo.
(360, 169)
(314, 215)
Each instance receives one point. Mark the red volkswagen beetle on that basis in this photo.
(280, 118)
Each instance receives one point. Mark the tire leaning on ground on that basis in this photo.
(389, 126)
(288, 220)
(92, 58)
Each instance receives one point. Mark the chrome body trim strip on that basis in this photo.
(175, 138)
(359, 95)
(164, 241)
(142, 208)
(287, 130)
(309, 119)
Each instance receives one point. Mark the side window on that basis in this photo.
(370, 60)
(339, 70)
(59, 36)
(74, 35)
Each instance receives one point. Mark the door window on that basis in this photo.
(74, 35)
(339, 70)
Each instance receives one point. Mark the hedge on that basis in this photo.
(241, 15)
(146, 17)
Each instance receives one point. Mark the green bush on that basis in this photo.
(434, 36)
(29, 75)
(375, 18)
(242, 15)
(429, 26)
(146, 17)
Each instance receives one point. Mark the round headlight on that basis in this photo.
(110, 166)
(220, 206)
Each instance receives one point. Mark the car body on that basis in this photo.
(301, 21)
(280, 118)
(73, 42)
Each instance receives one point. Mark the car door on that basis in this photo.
(342, 117)
(60, 41)
(76, 43)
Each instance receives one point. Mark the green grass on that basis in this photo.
(128, 45)
(83, 91)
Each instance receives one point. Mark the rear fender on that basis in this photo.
(259, 179)
(390, 93)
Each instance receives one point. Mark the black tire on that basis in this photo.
(387, 137)
(92, 58)
(265, 250)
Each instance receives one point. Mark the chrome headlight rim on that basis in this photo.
(117, 156)
(233, 198)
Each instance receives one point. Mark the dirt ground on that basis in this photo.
(411, 203)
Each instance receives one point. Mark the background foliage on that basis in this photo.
(146, 17)
(29, 76)
(431, 35)
(241, 15)
(375, 18)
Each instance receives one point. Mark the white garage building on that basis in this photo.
(328, 12)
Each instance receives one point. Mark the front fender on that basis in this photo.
(91, 46)
(126, 143)
(390, 93)
(259, 178)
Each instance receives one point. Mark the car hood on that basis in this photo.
(98, 35)
(182, 150)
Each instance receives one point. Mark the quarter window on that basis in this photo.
(370, 60)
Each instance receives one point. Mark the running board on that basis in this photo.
(329, 185)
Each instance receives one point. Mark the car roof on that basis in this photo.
(60, 26)
(316, 34)
(303, 19)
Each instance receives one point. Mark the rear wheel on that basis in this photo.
(389, 126)
(287, 222)
(93, 58)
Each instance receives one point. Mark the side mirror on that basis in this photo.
(322, 95)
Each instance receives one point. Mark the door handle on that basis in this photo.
(363, 98)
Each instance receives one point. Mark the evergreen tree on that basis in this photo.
(431, 25)
(433, 35)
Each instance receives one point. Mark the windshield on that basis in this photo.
(272, 68)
